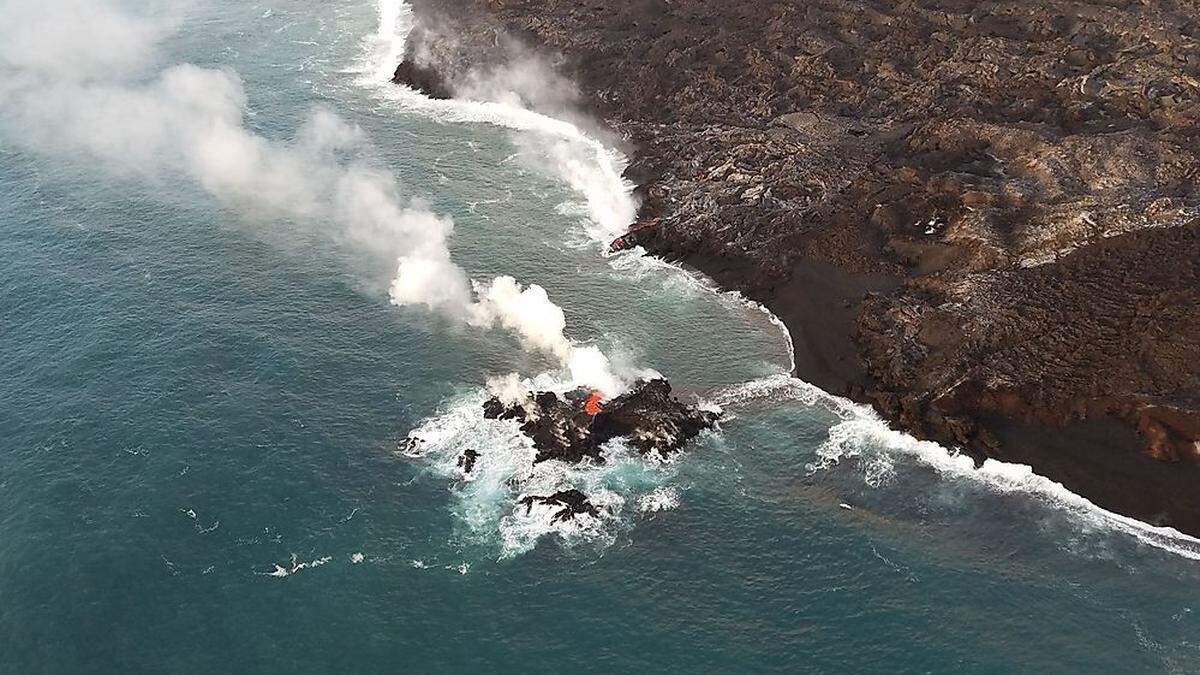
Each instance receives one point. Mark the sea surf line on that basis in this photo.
(612, 209)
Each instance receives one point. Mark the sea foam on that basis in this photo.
(487, 501)
(586, 164)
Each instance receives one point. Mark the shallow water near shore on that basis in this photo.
(200, 466)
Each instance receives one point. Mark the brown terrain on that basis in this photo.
(981, 217)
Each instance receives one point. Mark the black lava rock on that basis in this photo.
(572, 503)
(423, 79)
(647, 416)
(466, 461)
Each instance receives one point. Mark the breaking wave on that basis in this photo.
(591, 168)
(861, 436)
(487, 499)
(868, 440)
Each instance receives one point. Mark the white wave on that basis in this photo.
(861, 435)
(779, 324)
(865, 437)
(296, 565)
(488, 504)
(785, 387)
(526, 524)
(318, 562)
(586, 164)
(660, 499)
(385, 49)
(691, 283)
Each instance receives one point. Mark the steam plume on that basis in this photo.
(73, 82)
(521, 89)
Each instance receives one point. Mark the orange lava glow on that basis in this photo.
(592, 407)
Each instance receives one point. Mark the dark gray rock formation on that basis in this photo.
(646, 416)
(571, 503)
(466, 461)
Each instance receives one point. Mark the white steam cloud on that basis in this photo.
(520, 89)
(73, 39)
(76, 80)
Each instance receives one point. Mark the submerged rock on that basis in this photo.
(466, 461)
(572, 503)
(646, 416)
(410, 446)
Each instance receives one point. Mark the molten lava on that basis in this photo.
(592, 407)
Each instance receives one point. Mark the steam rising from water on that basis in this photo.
(526, 96)
(521, 94)
(526, 311)
(72, 83)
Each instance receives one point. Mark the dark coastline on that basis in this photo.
(889, 196)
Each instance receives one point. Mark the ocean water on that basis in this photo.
(202, 407)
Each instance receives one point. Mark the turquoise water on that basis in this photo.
(196, 398)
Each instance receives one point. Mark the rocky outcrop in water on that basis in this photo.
(982, 218)
(466, 461)
(647, 417)
(424, 79)
(570, 503)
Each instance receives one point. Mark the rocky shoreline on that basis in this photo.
(981, 218)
